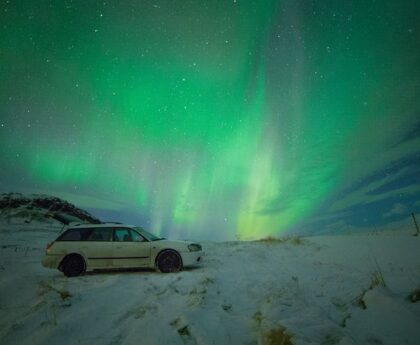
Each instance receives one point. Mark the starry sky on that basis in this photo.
(215, 119)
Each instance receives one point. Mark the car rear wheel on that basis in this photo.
(73, 265)
(169, 261)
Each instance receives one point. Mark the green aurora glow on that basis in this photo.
(214, 119)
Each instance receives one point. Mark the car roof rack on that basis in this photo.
(112, 223)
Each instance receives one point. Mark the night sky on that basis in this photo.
(215, 119)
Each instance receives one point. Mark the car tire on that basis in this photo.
(169, 261)
(73, 265)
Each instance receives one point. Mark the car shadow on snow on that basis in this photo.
(136, 270)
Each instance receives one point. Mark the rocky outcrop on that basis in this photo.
(49, 205)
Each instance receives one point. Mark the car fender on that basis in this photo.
(180, 247)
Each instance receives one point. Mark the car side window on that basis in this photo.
(71, 235)
(136, 237)
(122, 235)
(100, 234)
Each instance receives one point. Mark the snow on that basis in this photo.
(348, 289)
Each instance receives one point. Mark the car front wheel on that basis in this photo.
(73, 265)
(169, 261)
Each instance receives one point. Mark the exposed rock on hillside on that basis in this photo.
(40, 207)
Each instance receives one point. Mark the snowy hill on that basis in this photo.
(355, 289)
(18, 208)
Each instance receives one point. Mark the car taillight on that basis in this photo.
(49, 245)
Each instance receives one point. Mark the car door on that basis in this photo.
(97, 247)
(130, 249)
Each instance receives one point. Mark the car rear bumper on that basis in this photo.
(51, 261)
(192, 258)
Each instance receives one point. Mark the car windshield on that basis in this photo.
(147, 234)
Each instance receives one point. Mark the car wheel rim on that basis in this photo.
(169, 262)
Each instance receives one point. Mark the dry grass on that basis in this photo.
(184, 331)
(46, 287)
(277, 336)
(271, 239)
(331, 340)
(376, 280)
(295, 240)
(414, 296)
(258, 317)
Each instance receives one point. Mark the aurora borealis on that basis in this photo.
(215, 119)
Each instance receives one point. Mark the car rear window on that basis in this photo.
(87, 234)
(71, 235)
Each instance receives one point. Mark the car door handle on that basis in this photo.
(118, 247)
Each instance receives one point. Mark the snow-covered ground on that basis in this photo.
(349, 289)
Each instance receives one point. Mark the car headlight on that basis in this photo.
(194, 247)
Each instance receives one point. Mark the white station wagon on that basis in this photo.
(88, 247)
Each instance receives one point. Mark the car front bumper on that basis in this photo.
(192, 258)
